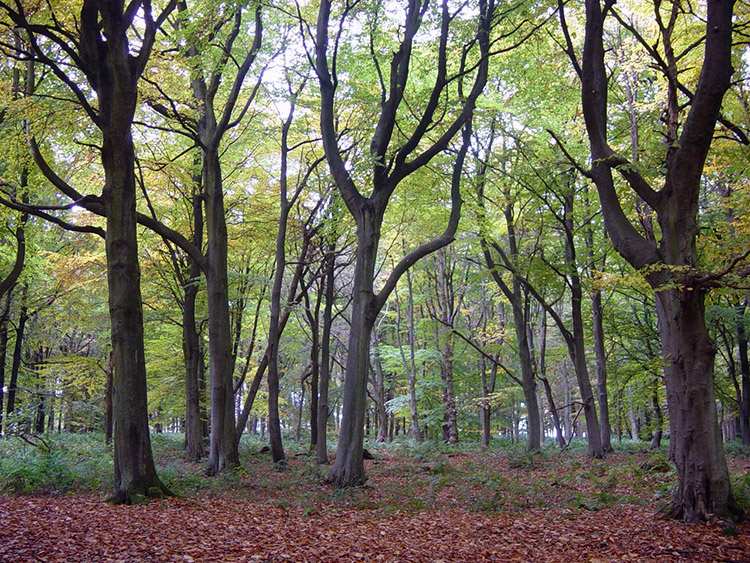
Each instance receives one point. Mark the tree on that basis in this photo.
(389, 156)
(673, 270)
(101, 47)
(287, 201)
(513, 292)
(208, 131)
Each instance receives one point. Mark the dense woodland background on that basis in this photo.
(526, 319)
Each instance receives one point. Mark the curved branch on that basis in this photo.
(441, 240)
(95, 205)
(31, 210)
(10, 280)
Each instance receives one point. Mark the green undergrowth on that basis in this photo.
(403, 476)
(54, 464)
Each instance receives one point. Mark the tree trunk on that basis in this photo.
(542, 375)
(134, 471)
(488, 387)
(447, 305)
(274, 334)
(379, 388)
(108, 404)
(223, 450)
(325, 358)
(301, 409)
(191, 345)
(348, 469)
(658, 419)
(519, 309)
(576, 340)
(412, 363)
(742, 347)
(194, 449)
(4, 318)
(449, 399)
(409, 363)
(15, 367)
(315, 367)
(695, 438)
(392, 162)
(601, 372)
(695, 441)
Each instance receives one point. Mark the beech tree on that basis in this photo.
(208, 131)
(395, 153)
(670, 259)
(106, 48)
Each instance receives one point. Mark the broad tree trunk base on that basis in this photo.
(142, 491)
(347, 481)
(696, 509)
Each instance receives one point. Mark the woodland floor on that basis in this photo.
(435, 507)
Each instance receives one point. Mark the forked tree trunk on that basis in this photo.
(695, 441)
(519, 307)
(394, 159)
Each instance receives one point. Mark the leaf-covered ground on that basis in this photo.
(429, 508)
